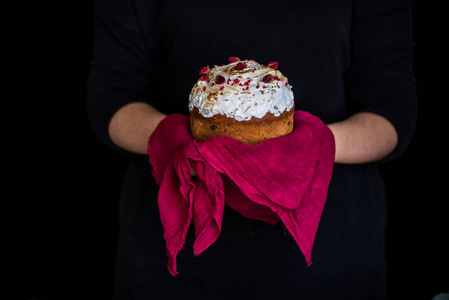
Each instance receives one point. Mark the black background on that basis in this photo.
(61, 194)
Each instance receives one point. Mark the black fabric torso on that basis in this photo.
(340, 57)
(310, 40)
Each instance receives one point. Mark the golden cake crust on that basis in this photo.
(250, 132)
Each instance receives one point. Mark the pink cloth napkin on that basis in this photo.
(280, 179)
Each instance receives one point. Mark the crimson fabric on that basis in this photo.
(281, 179)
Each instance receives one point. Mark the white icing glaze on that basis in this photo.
(243, 94)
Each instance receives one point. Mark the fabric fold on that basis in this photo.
(280, 179)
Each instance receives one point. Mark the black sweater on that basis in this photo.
(341, 57)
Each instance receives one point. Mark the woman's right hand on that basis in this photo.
(131, 126)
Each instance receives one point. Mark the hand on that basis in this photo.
(363, 137)
(132, 124)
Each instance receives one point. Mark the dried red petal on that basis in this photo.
(267, 78)
(240, 66)
(203, 70)
(273, 64)
(233, 59)
(236, 80)
(205, 78)
(220, 79)
(204, 89)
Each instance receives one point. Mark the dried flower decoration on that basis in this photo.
(233, 59)
(240, 66)
(267, 78)
(273, 64)
(220, 79)
(204, 70)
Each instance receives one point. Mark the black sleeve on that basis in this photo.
(123, 65)
(381, 79)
